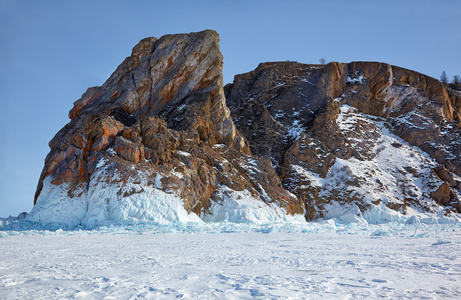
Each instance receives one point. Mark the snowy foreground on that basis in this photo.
(233, 261)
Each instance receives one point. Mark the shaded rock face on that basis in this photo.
(352, 134)
(362, 139)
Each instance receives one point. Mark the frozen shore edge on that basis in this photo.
(415, 227)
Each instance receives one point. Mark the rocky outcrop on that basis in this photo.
(161, 119)
(339, 134)
(162, 140)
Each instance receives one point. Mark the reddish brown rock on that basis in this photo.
(89, 95)
(129, 150)
(442, 194)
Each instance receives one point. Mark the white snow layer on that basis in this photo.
(136, 203)
(241, 207)
(109, 203)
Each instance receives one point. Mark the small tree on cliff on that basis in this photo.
(322, 61)
(456, 79)
(443, 78)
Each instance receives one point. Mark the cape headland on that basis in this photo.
(164, 141)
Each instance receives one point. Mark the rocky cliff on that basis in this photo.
(163, 141)
(363, 136)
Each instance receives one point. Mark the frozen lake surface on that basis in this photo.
(232, 261)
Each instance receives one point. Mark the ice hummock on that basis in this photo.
(241, 207)
(103, 204)
(108, 201)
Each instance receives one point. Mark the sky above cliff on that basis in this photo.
(52, 51)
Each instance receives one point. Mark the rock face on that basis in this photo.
(361, 137)
(156, 135)
(163, 141)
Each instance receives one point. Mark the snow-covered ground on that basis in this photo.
(320, 260)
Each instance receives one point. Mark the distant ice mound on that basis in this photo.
(162, 141)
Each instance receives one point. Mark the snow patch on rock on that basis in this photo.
(394, 184)
(242, 207)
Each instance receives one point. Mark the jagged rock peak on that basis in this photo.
(158, 126)
(180, 70)
(177, 78)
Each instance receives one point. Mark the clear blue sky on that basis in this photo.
(52, 51)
